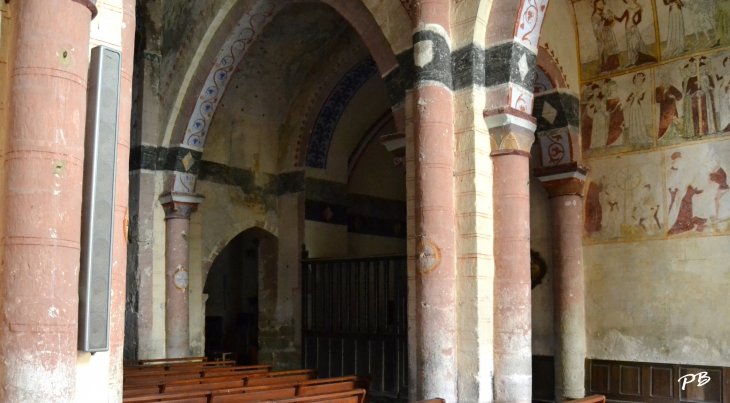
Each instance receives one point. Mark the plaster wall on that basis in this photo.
(657, 222)
(559, 38)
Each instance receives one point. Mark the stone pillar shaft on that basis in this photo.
(511, 135)
(434, 197)
(512, 285)
(565, 188)
(177, 260)
(568, 296)
(42, 194)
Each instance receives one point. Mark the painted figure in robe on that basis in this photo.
(723, 94)
(719, 177)
(703, 19)
(603, 21)
(688, 124)
(675, 30)
(636, 127)
(615, 111)
(596, 110)
(667, 96)
(701, 88)
(635, 47)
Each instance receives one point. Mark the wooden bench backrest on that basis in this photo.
(204, 386)
(265, 380)
(163, 360)
(591, 399)
(178, 366)
(325, 388)
(144, 391)
(353, 396)
(168, 376)
(259, 396)
(190, 397)
(335, 379)
(251, 369)
(177, 376)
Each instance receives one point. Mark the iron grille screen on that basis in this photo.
(354, 321)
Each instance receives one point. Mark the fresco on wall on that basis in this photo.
(624, 198)
(693, 98)
(615, 35)
(697, 187)
(689, 26)
(616, 114)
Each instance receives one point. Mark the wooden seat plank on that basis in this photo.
(353, 396)
(248, 397)
(193, 397)
(591, 399)
(266, 380)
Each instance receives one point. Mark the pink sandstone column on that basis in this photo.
(512, 134)
(119, 269)
(434, 196)
(565, 189)
(44, 163)
(178, 209)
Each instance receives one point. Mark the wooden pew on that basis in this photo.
(164, 360)
(353, 396)
(162, 376)
(189, 397)
(290, 376)
(178, 366)
(591, 399)
(170, 384)
(225, 395)
(242, 369)
(275, 392)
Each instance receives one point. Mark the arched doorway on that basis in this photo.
(233, 286)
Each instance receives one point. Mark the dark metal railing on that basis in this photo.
(354, 320)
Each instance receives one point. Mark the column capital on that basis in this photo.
(180, 205)
(510, 131)
(90, 4)
(562, 180)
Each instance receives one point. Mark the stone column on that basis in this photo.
(436, 366)
(178, 208)
(564, 185)
(41, 204)
(512, 134)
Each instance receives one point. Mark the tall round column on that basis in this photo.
(44, 160)
(177, 258)
(565, 189)
(434, 198)
(512, 134)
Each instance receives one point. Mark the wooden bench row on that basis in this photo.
(316, 387)
(157, 377)
(165, 360)
(221, 382)
(177, 366)
(352, 396)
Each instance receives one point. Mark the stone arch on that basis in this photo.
(512, 35)
(547, 65)
(267, 251)
(201, 99)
